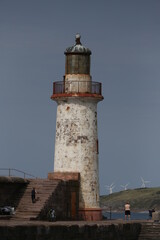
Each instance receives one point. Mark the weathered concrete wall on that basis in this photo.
(69, 232)
(76, 145)
(60, 201)
(11, 190)
(78, 83)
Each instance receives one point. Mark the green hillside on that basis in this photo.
(141, 199)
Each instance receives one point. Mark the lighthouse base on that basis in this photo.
(90, 214)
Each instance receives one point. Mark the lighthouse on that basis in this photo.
(76, 140)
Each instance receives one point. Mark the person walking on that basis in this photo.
(33, 195)
(127, 211)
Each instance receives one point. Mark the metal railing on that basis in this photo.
(77, 87)
(10, 172)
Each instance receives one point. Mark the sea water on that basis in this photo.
(120, 215)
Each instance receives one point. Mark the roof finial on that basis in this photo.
(78, 36)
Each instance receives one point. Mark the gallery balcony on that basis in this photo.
(77, 88)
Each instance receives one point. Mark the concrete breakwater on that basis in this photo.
(33, 230)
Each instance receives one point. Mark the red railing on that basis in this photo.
(77, 87)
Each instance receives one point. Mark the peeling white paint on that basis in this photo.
(76, 145)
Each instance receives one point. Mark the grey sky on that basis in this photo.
(124, 37)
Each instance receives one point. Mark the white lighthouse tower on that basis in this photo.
(76, 142)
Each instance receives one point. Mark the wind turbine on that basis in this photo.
(110, 188)
(144, 183)
(125, 186)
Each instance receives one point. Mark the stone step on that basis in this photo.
(24, 217)
(26, 214)
(150, 232)
(44, 188)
